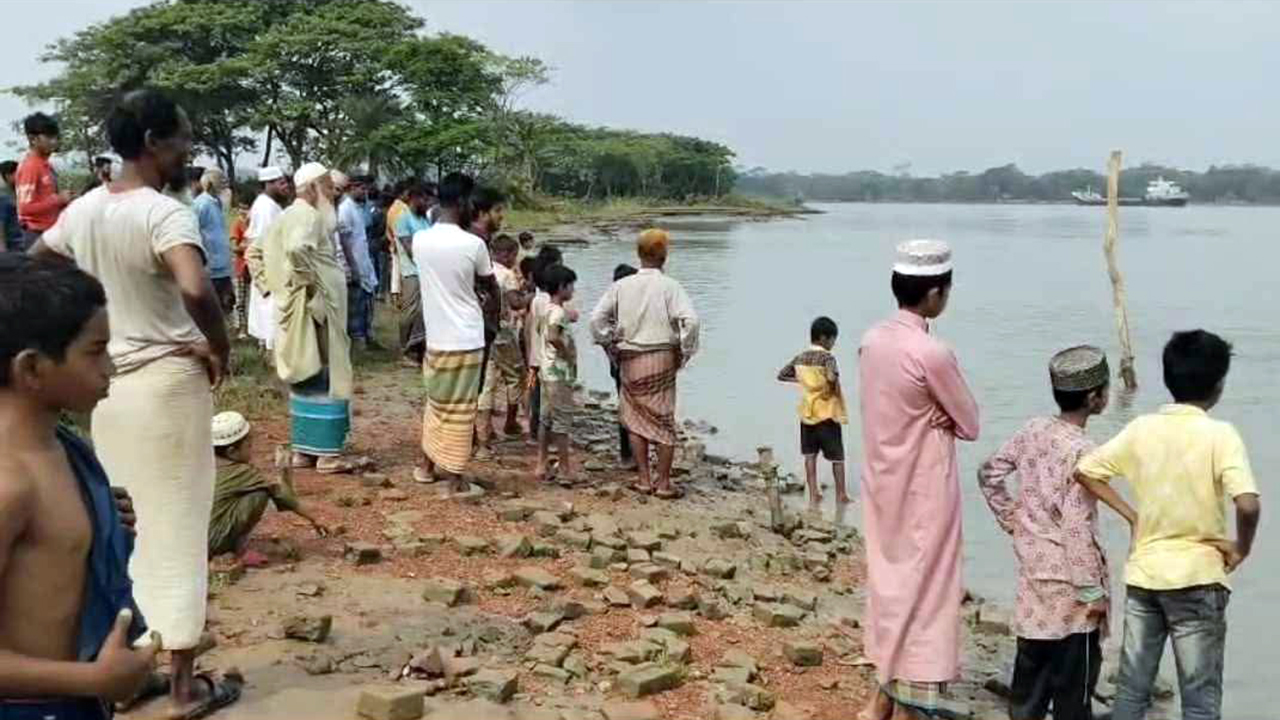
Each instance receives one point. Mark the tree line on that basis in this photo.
(1218, 184)
(356, 83)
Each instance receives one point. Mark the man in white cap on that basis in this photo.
(264, 211)
(308, 288)
(915, 405)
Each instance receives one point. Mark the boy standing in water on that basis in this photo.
(1062, 570)
(67, 613)
(822, 407)
(1180, 463)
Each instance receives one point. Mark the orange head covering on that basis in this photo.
(653, 245)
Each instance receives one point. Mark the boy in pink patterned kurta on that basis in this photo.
(1062, 570)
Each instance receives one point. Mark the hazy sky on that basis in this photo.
(834, 86)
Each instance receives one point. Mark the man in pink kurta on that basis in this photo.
(915, 404)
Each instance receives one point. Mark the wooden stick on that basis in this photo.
(1117, 280)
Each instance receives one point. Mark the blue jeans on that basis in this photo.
(359, 313)
(1196, 619)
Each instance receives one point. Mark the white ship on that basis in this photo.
(1165, 192)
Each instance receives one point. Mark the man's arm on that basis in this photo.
(28, 185)
(604, 318)
(186, 264)
(1102, 490)
(991, 480)
(681, 311)
(946, 382)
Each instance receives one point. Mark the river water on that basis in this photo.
(1030, 280)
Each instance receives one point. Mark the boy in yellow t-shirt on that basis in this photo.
(1179, 463)
(822, 407)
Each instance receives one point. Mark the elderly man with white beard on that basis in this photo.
(312, 350)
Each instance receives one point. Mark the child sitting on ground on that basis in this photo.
(822, 407)
(241, 493)
(558, 373)
(1179, 463)
(1062, 596)
(67, 613)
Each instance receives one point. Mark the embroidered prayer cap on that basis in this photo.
(923, 258)
(229, 428)
(309, 173)
(1078, 369)
(269, 174)
(340, 179)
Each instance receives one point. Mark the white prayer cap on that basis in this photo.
(923, 258)
(309, 173)
(340, 179)
(229, 428)
(269, 173)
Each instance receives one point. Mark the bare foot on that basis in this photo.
(880, 707)
(842, 498)
(253, 559)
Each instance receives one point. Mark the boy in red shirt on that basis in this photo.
(39, 202)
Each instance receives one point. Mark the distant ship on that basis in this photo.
(1160, 193)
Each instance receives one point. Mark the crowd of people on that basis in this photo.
(120, 304)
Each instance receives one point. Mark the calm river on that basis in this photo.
(1030, 280)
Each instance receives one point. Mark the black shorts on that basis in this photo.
(826, 436)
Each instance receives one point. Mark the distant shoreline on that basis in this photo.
(1193, 203)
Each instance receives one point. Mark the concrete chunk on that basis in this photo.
(391, 702)
(778, 615)
(536, 577)
(643, 595)
(667, 560)
(802, 599)
(719, 568)
(308, 629)
(644, 541)
(552, 673)
(471, 545)
(680, 623)
(631, 711)
(541, 622)
(636, 556)
(648, 680)
(446, 591)
(802, 653)
(493, 685)
(574, 539)
(631, 651)
(617, 597)
(586, 577)
(650, 572)
(514, 546)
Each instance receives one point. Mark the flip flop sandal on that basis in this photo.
(220, 695)
(673, 493)
(156, 685)
(345, 465)
(642, 489)
(422, 477)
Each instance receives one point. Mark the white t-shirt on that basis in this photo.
(449, 259)
(537, 320)
(119, 238)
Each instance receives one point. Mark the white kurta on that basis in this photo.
(262, 314)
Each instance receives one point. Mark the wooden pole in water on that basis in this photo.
(1117, 280)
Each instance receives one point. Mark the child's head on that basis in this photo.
(1195, 367)
(623, 271)
(1081, 379)
(558, 282)
(527, 266)
(231, 436)
(823, 332)
(54, 345)
(526, 240)
(548, 256)
(505, 250)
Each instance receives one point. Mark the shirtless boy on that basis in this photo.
(67, 615)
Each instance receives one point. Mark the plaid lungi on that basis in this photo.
(452, 380)
(648, 406)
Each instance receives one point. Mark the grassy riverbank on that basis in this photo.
(639, 211)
